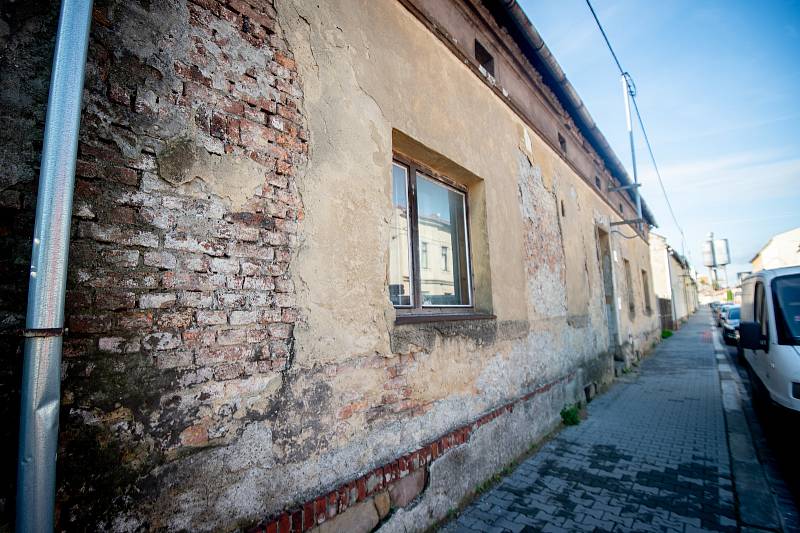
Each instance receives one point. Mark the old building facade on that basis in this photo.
(331, 261)
(781, 250)
(674, 284)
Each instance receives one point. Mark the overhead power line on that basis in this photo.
(632, 93)
(608, 43)
(658, 174)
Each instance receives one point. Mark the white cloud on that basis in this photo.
(764, 170)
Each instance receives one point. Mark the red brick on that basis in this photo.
(297, 521)
(344, 498)
(308, 516)
(135, 320)
(320, 510)
(219, 126)
(123, 175)
(333, 504)
(285, 60)
(361, 485)
(255, 135)
(194, 436)
(255, 16)
(233, 130)
(119, 94)
(87, 169)
(284, 524)
(93, 323)
(115, 300)
(175, 320)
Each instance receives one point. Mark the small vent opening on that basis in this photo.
(484, 58)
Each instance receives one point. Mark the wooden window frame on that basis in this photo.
(417, 312)
(626, 265)
(648, 309)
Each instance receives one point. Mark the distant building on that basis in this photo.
(781, 250)
(673, 283)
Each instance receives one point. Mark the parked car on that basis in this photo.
(721, 314)
(769, 333)
(730, 325)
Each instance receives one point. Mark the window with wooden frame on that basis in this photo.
(646, 289)
(429, 212)
(629, 284)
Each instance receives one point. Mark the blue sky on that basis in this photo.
(719, 89)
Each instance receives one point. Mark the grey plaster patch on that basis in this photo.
(235, 178)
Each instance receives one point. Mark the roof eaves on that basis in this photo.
(509, 14)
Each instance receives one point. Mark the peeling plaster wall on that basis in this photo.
(369, 68)
(179, 306)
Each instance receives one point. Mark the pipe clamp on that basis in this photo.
(43, 332)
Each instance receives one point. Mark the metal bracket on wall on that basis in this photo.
(623, 222)
(624, 187)
(44, 332)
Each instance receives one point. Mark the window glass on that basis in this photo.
(733, 313)
(399, 247)
(441, 221)
(759, 295)
(786, 296)
(762, 315)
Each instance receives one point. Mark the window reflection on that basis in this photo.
(442, 225)
(399, 263)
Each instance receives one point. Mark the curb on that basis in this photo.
(758, 510)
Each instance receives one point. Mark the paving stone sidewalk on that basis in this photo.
(652, 456)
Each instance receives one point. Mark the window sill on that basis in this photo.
(422, 318)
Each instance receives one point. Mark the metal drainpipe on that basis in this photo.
(41, 369)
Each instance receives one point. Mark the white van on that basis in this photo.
(769, 332)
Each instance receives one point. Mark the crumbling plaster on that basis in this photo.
(361, 82)
(368, 68)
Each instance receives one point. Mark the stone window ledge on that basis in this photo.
(421, 318)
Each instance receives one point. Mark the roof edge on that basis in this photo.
(533, 45)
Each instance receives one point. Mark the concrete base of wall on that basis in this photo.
(422, 488)
(455, 476)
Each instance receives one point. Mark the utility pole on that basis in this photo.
(629, 91)
(712, 269)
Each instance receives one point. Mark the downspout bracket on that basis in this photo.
(44, 332)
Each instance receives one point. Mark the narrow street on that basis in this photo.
(653, 455)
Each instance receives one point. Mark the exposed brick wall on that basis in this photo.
(327, 506)
(180, 308)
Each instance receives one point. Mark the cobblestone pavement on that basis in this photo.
(652, 456)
